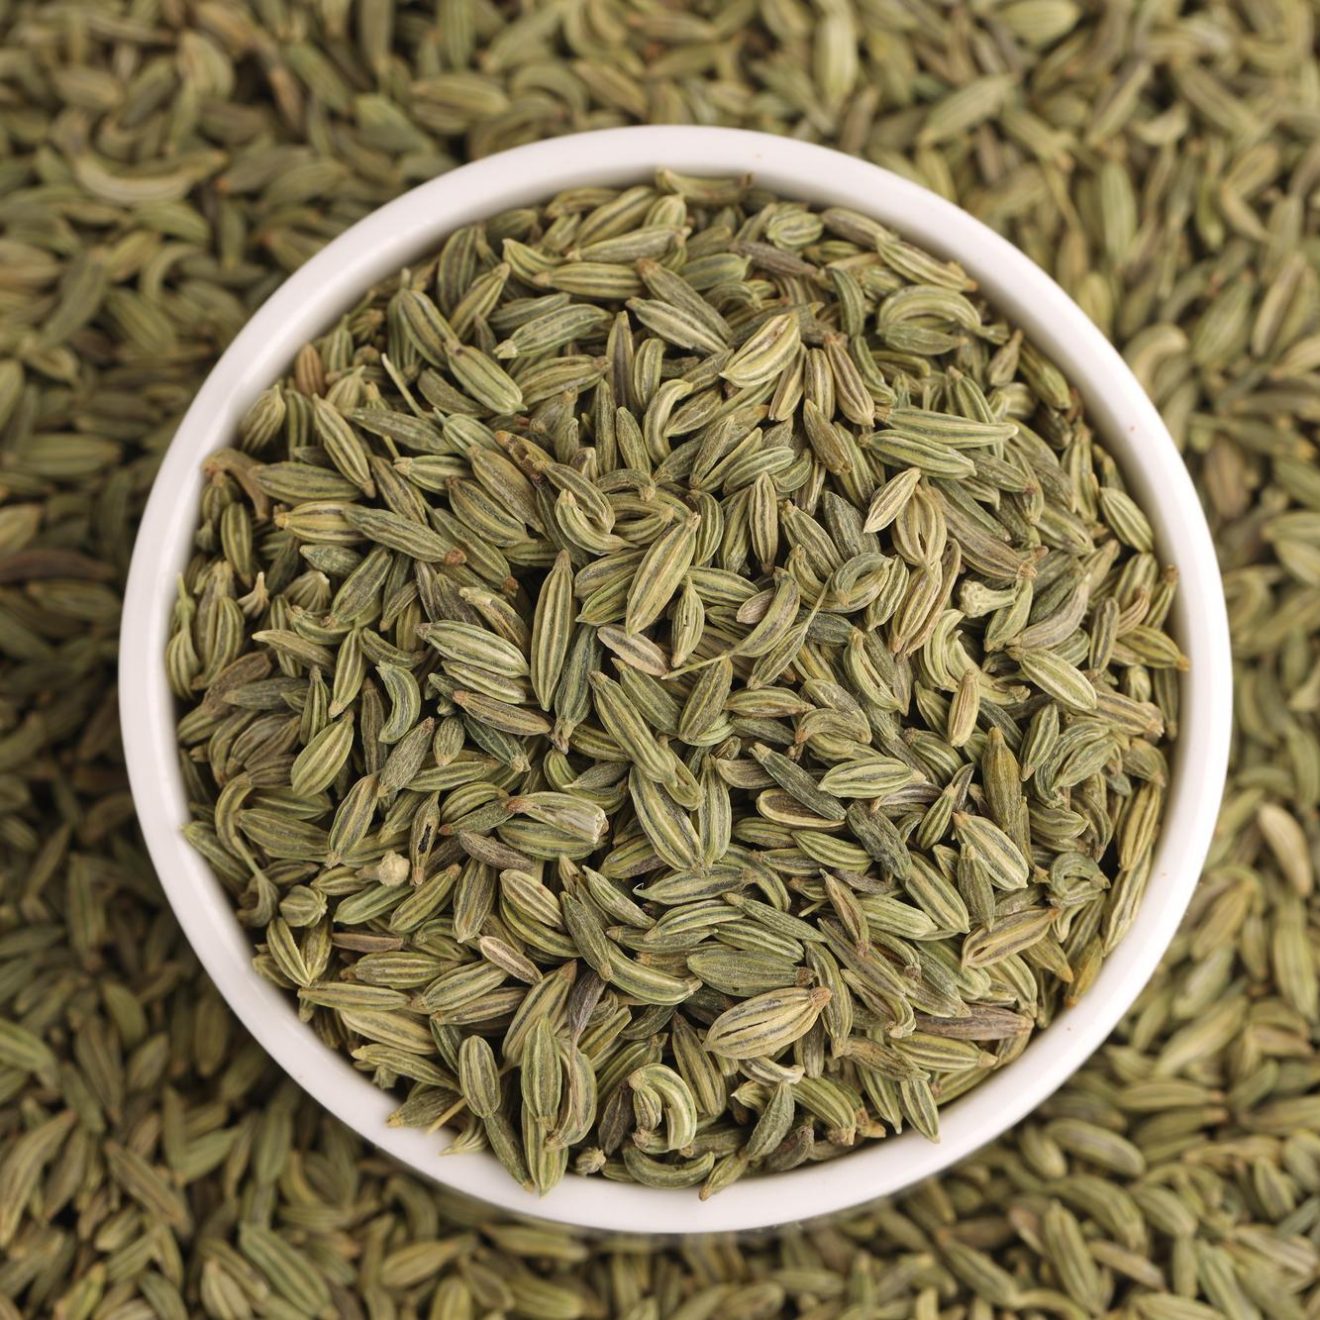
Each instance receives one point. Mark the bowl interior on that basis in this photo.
(413, 225)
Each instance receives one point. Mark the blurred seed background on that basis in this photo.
(165, 164)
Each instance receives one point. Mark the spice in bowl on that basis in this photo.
(674, 686)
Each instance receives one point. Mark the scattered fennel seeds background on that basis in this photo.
(152, 1156)
(675, 686)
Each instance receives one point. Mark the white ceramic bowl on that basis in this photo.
(414, 225)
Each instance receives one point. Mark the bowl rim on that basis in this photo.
(385, 241)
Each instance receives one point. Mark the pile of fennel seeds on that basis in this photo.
(674, 686)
